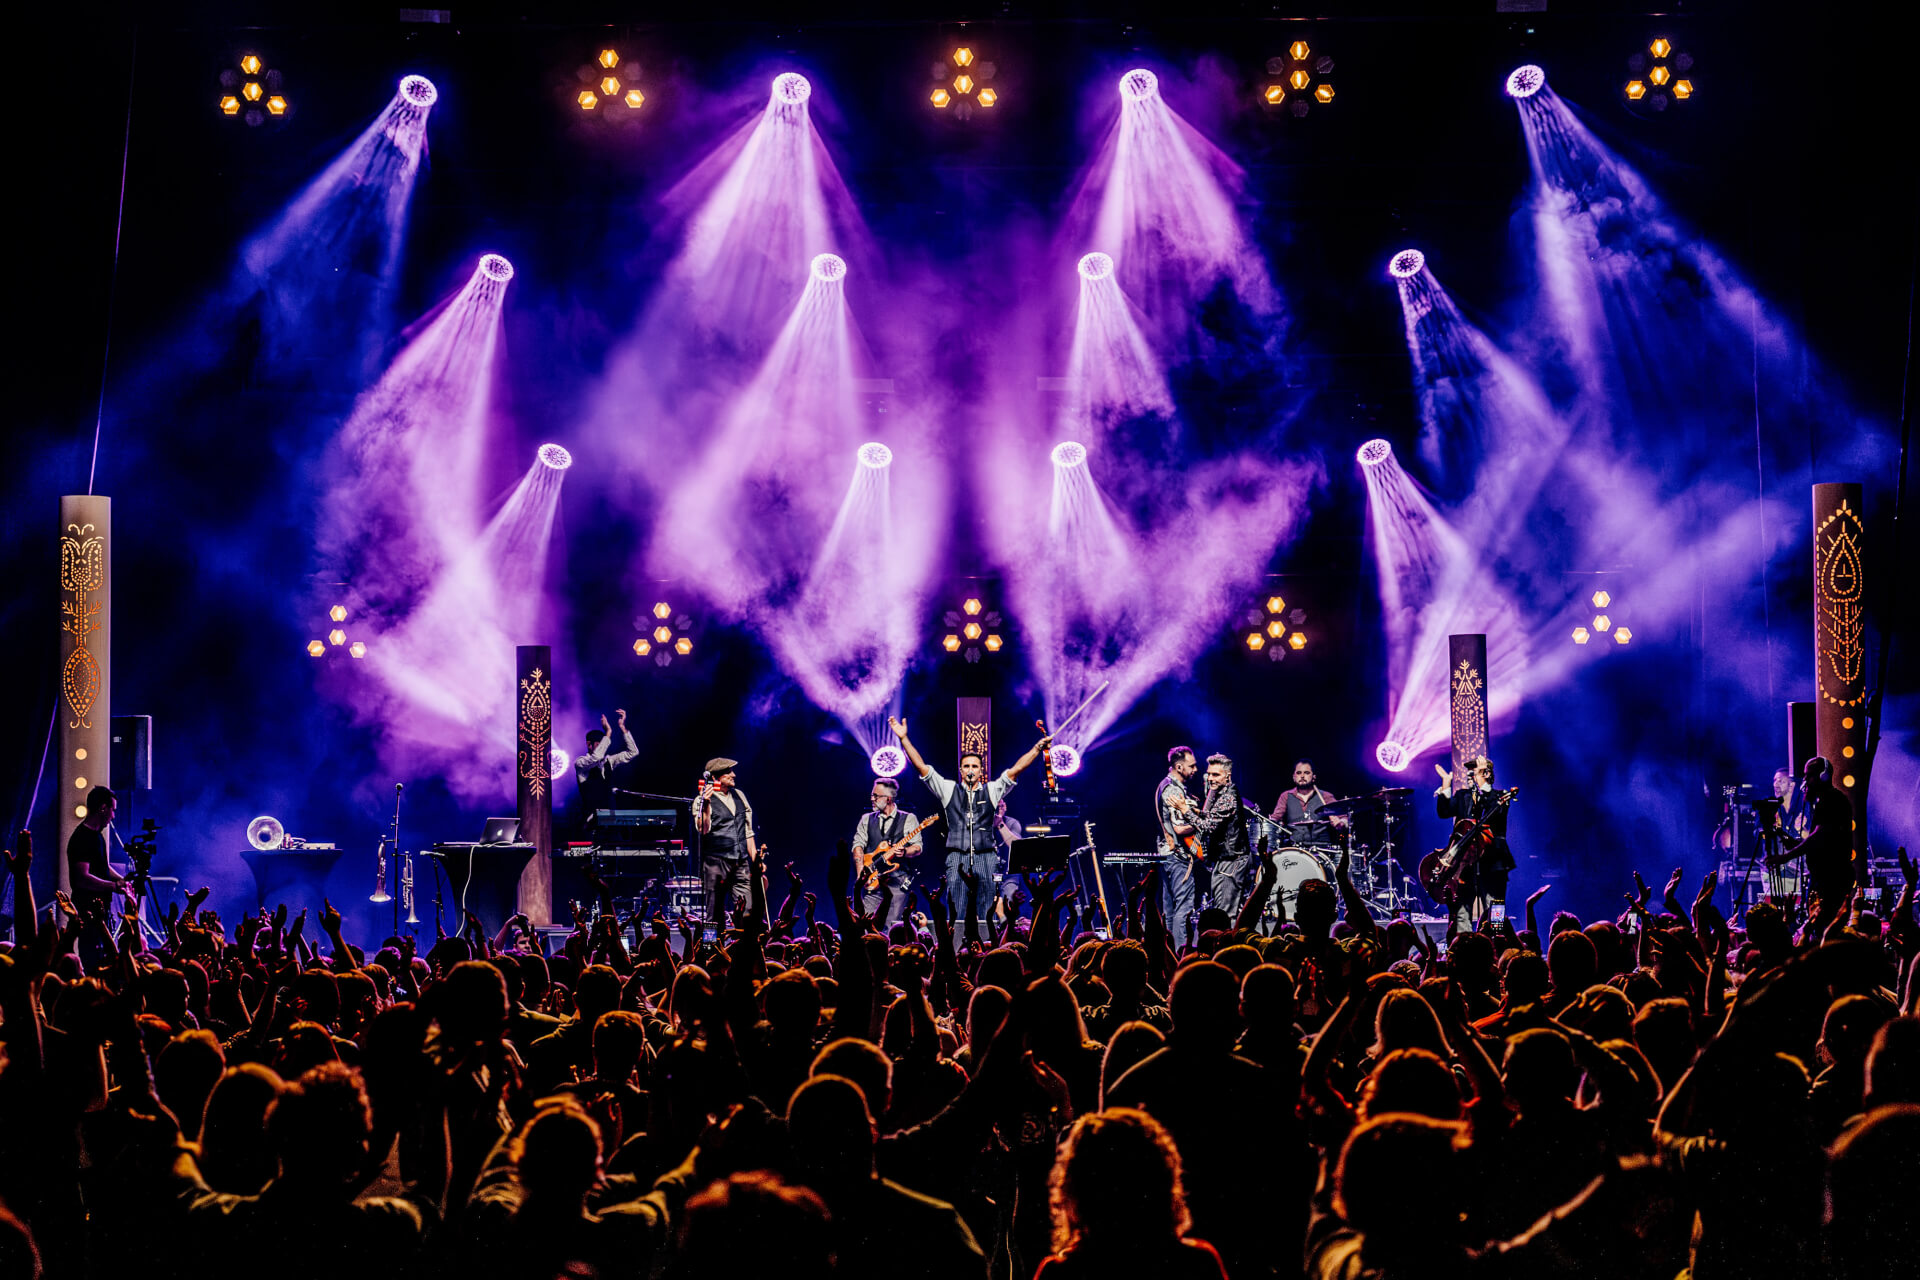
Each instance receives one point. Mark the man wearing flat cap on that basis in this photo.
(724, 820)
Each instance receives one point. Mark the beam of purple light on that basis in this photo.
(887, 762)
(406, 490)
(1159, 197)
(1525, 81)
(1087, 582)
(1112, 370)
(1406, 264)
(440, 671)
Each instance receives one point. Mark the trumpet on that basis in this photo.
(380, 893)
(406, 888)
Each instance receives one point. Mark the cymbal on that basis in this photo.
(1352, 804)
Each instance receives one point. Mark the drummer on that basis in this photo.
(1299, 811)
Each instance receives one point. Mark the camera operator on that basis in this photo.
(92, 877)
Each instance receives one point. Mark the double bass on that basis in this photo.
(1441, 871)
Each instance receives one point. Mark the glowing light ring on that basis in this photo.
(1096, 266)
(555, 456)
(1066, 760)
(875, 456)
(419, 91)
(495, 267)
(1526, 81)
(1069, 453)
(888, 762)
(1139, 84)
(1407, 264)
(1374, 452)
(559, 762)
(1392, 756)
(792, 87)
(829, 267)
(265, 832)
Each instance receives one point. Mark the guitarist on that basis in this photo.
(1174, 808)
(1483, 882)
(887, 826)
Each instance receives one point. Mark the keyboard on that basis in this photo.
(1133, 858)
(627, 821)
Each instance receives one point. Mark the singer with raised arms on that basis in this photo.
(724, 820)
(969, 806)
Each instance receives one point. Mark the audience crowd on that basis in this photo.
(1651, 1096)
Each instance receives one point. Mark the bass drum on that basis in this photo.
(1295, 866)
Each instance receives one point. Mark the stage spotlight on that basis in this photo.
(251, 65)
(1601, 622)
(635, 98)
(252, 91)
(1276, 630)
(875, 456)
(610, 85)
(1066, 761)
(971, 631)
(230, 105)
(495, 267)
(419, 91)
(887, 762)
(1300, 79)
(1298, 51)
(951, 644)
(555, 456)
(357, 649)
(1659, 75)
(588, 100)
(1622, 635)
(1526, 81)
(276, 105)
(1581, 635)
(662, 634)
(1374, 452)
(338, 613)
(1256, 641)
(1393, 757)
(1276, 604)
(1683, 89)
(792, 87)
(963, 57)
(336, 637)
(1601, 599)
(1095, 266)
(986, 97)
(994, 643)
(1636, 89)
(642, 647)
(1139, 84)
(1661, 47)
(1296, 69)
(941, 97)
(683, 646)
(265, 832)
(1297, 641)
(661, 611)
(315, 648)
(971, 608)
(609, 58)
(963, 84)
(1324, 93)
(1275, 95)
(1069, 453)
(829, 267)
(558, 762)
(1406, 264)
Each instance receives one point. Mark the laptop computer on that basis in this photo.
(500, 831)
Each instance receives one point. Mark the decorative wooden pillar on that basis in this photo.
(533, 776)
(86, 659)
(1467, 696)
(1839, 644)
(974, 720)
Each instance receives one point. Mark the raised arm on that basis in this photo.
(630, 750)
(899, 728)
(1033, 753)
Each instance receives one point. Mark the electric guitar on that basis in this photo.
(878, 863)
(1099, 880)
(1190, 841)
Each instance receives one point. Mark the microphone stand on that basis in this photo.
(398, 789)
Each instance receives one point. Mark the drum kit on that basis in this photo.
(1375, 871)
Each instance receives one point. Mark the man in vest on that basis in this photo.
(724, 820)
(888, 824)
(969, 806)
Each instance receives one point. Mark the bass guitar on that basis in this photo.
(1441, 871)
(878, 863)
(1099, 879)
